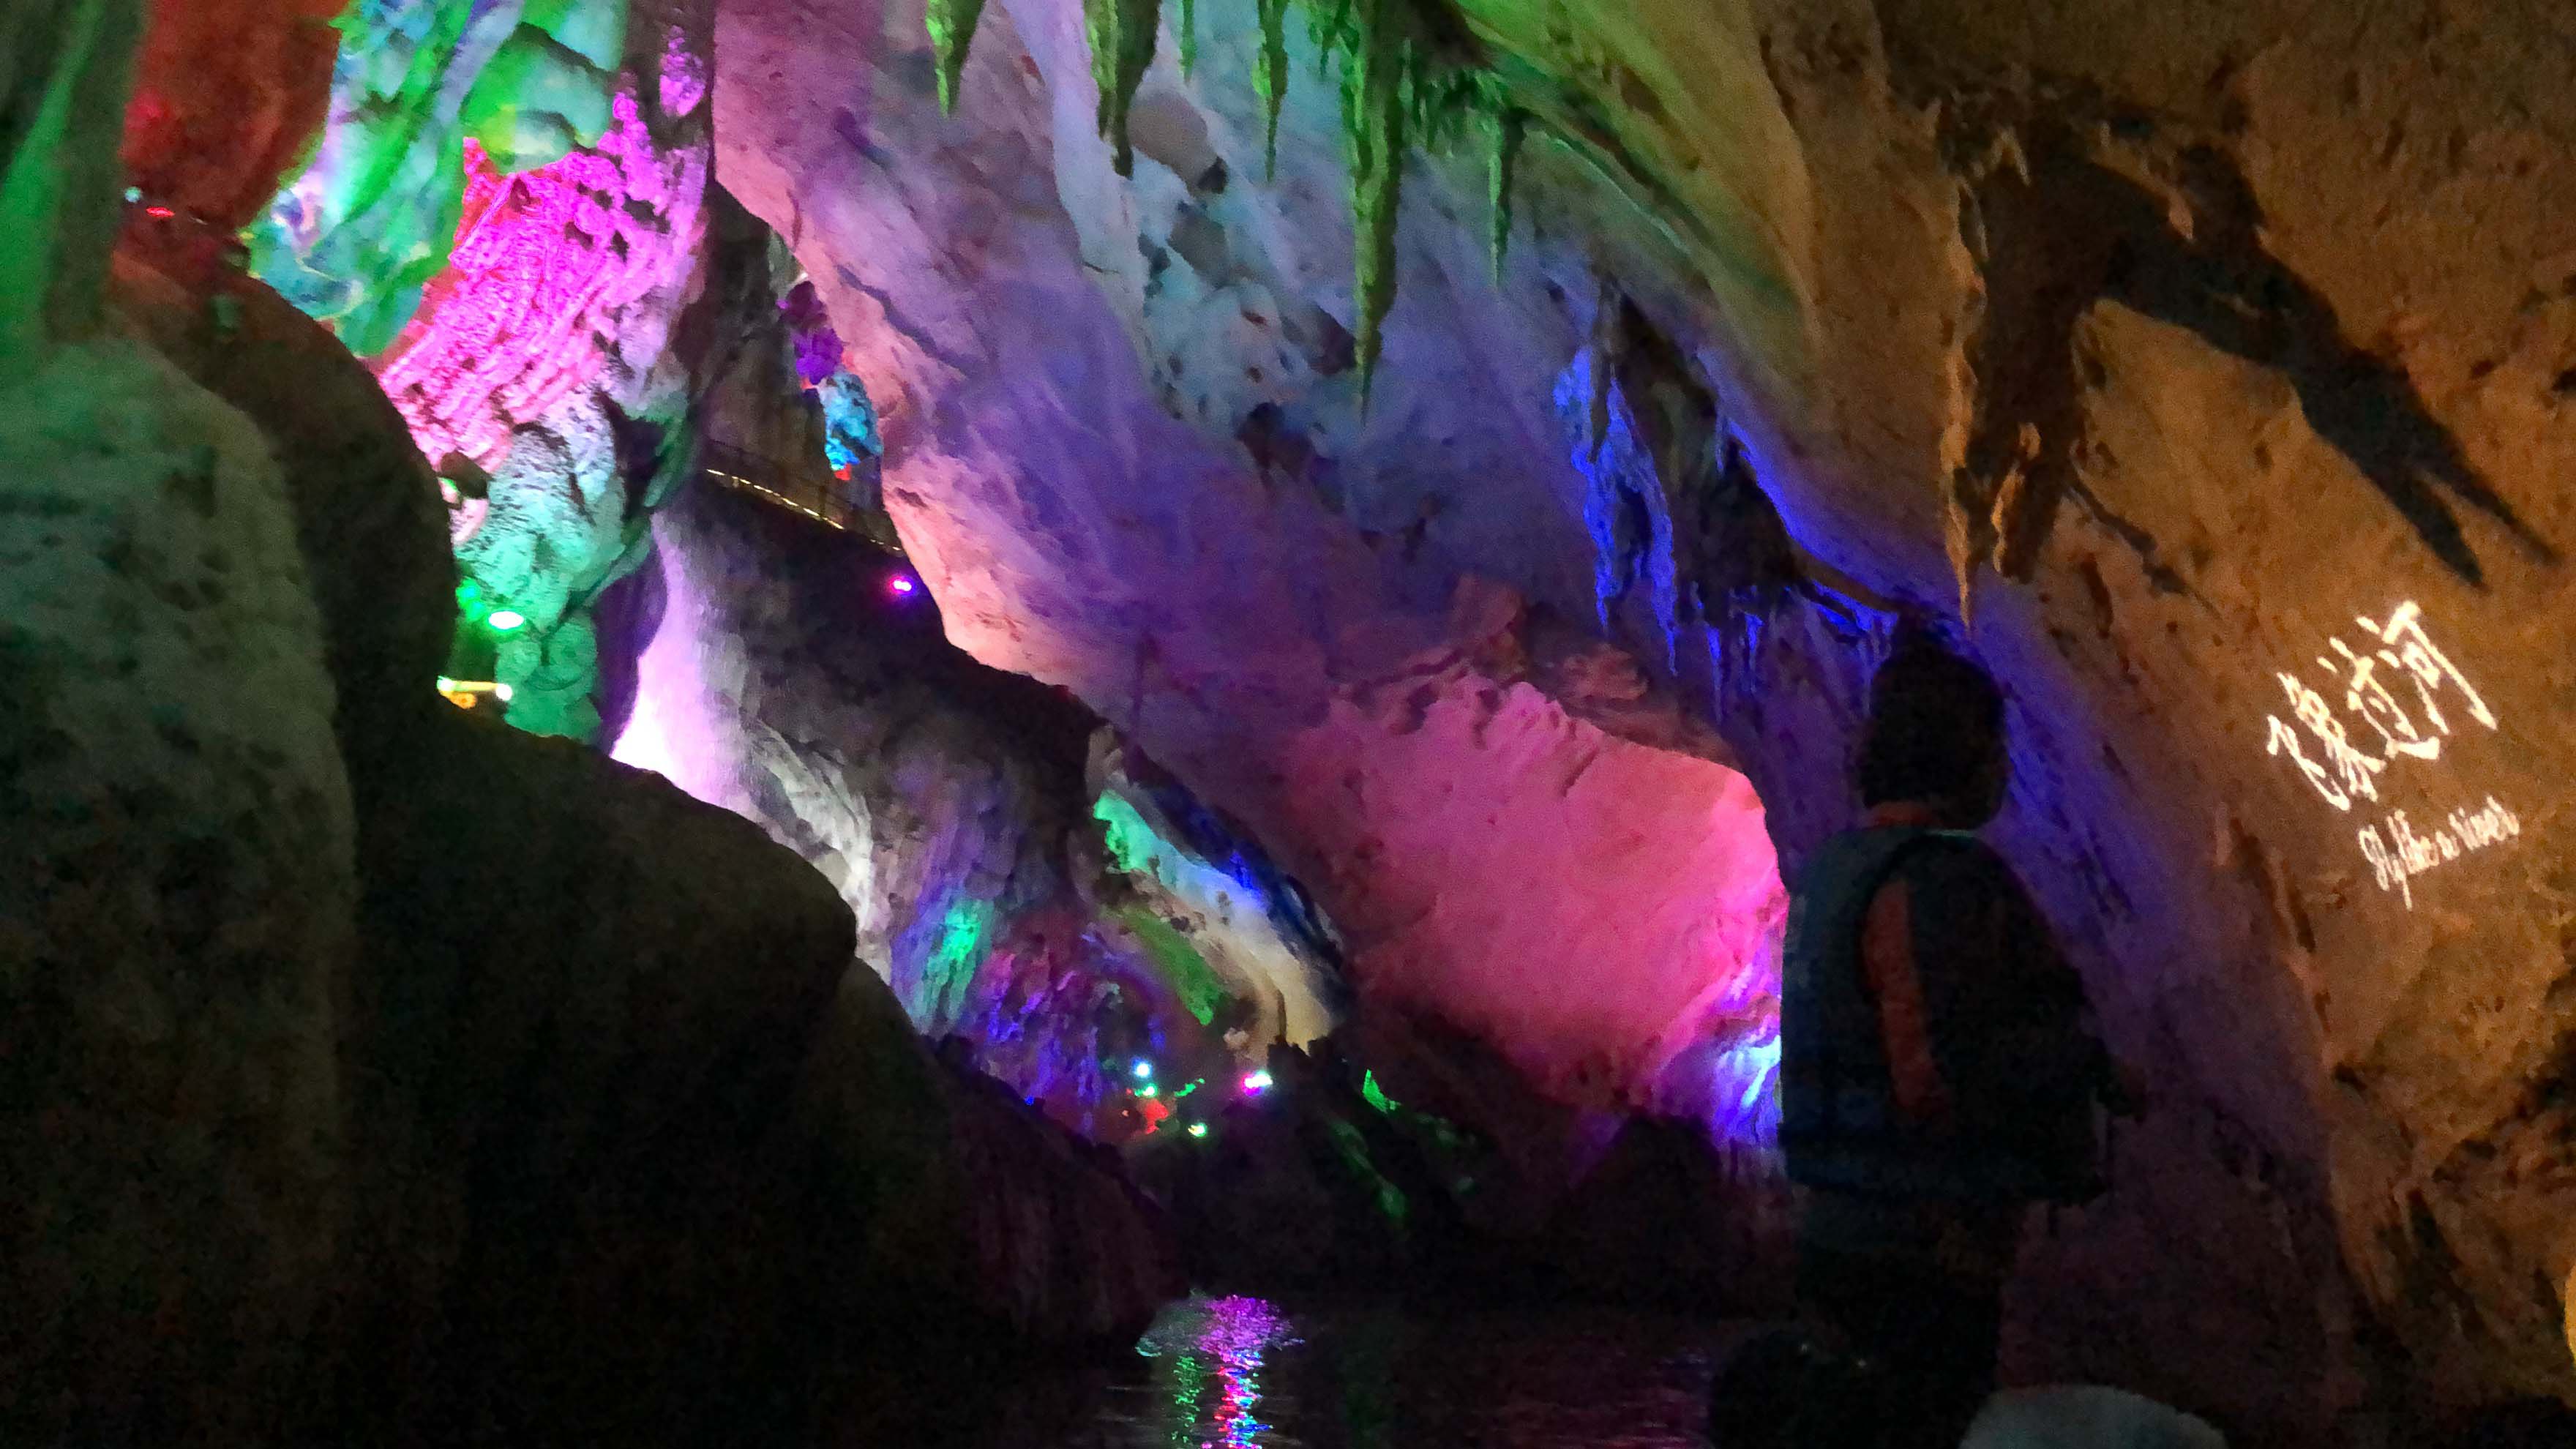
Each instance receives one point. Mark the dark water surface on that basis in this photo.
(1234, 1373)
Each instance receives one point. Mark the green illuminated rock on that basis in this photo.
(1374, 115)
(62, 86)
(536, 101)
(1397, 89)
(1509, 127)
(952, 33)
(1122, 34)
(355, 238)
(1270, 78)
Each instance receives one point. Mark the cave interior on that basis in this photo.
(718, 707)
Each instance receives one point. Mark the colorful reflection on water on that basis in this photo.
(1250, 1373)
(1210, 1354)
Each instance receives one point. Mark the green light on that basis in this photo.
(1187, 972)
(1133, 845)
(1198, 1129)
(1149, 1091)
(950, 972)
(1376, 1098)
(505, 620)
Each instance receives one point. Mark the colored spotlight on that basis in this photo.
(1198, 1129)
(1149, 1091)
(1143, 1070)
(1257, 1081)
(903, 586)
(506, 620)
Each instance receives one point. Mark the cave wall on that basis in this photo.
(1294, 641)
(2171, 354)
(505, 214)
(2177, 349)
(370, 1070)
(1016, 907)
(2160, 354)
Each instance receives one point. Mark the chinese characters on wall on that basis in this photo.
(2402, 699)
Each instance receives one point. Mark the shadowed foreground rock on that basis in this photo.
(177, 895)
(434, 1083)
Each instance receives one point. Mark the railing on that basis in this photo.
(817, 496)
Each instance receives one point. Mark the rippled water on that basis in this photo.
(1236, 1373)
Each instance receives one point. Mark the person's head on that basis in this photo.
(1935, 735)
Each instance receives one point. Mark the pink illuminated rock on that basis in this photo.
(557, 272)
(541, 358)
(1508, 867)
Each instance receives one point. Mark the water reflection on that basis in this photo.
(1211, 1353)
(1249, 1373)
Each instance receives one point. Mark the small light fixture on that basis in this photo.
(1198, 1129)
(1256, 1082)
(1149, 1091)
(501, 692)
(506, 620)
(1143, 1070)
(902, 586)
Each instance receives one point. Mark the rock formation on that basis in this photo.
(377, 1072)
(1339, 675)
(1477, 449)
(2204, 370)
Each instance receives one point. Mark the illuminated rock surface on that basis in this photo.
(227, 92)
(2179, 347)
(2207, 367)
(374, 1072)
(778, 675)
(1304, 669)
(541, 355)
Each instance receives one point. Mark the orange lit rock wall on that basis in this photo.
(228, 94)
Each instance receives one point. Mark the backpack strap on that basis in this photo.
(1836, 1090)
(1840, 1126)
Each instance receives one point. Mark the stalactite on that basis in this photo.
(1270, 79)
(1392, 91)
(1373, 117)
(1609, 341)
(1509, 124)
(952, 33)
(1122, 34)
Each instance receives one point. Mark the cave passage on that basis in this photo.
(1057, 722)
